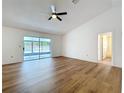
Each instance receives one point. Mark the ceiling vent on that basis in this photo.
(75, 1)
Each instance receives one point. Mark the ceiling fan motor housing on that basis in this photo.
(75, 1)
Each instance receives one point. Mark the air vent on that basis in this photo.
(75, 1)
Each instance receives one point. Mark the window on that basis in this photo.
(36, 48)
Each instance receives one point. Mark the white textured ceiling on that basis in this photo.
(32, 14)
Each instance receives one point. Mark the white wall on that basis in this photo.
(82, 42)
(12, 44)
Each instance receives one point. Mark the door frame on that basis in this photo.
(98, 46)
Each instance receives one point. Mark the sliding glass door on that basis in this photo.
(36, 48)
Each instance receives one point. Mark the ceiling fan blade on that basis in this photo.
(50, 18)
(53, 8)
(62, 13)
(59, 18)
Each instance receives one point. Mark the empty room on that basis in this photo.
(61, 46)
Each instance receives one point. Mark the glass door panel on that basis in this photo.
(27, 47)
(35, 47)
(28, 50)
(36, 51)
(45, 48)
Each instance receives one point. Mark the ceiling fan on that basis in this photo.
(56, 15)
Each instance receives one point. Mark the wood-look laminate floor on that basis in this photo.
(61, 75)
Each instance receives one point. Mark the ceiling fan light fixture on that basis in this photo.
(54, 16)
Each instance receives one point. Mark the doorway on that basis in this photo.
(36, 48)
(105, 48)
